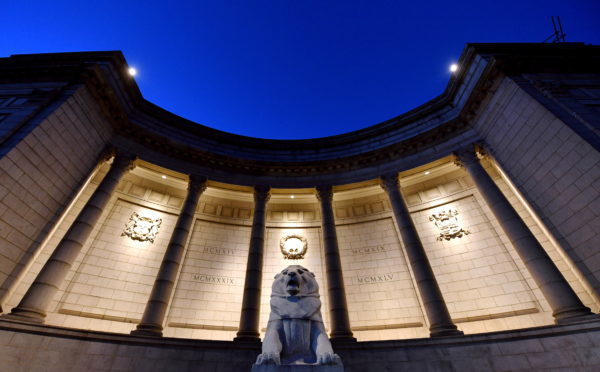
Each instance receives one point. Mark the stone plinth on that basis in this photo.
(298, 368)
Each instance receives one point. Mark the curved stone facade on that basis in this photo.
(473, 213)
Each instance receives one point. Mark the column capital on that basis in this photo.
(389, 182)
(197, 182)
(465, 158)
(324, 193)
(124, 159)
(106, 154)
(262, 194)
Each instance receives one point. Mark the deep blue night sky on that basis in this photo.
(283, 68)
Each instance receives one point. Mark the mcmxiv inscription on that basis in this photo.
(367, 250)
(213, 279)
(219, 251)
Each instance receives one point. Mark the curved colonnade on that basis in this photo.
(435, 223)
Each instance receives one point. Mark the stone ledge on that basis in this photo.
(501, 336)
(298, 368)
(87, 335)
(36, 347)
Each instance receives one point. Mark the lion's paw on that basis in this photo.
(268, 358)
(328, 358)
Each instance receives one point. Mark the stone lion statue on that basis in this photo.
(295, 332)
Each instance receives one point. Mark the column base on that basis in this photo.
(247, 336)
(591, 317)
(20, 314)
(298, 368)
(253, 339)
(342, 336)
(445, 331)
(573, 315)
(342, 339)
(149, 330)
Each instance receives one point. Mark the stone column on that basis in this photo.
(565, 304)
(440, 322)
(336, 291)
(34, 304)
(156, 307)
(254, 268)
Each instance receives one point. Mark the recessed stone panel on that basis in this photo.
(413, 199)
(227, 212)
(475, 272)
(210, 287)
(359, 210)
(277, 216)
(244, 213)
(175, 201)
(210, 209)
(115, 277)
(432, 193)
(293, 216)
(452, 187)
(308, 216)
(341, 212)
(137, 191)
(156, 196)
(379, 287)
(377, 207)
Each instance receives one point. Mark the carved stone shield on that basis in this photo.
(447, 224)
(142, 228)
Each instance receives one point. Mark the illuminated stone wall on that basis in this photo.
(482, 279)
(554, 167)
(382, 300)
(42, 164)
(114, 279)
(208, 296)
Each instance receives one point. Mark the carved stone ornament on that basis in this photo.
(447, 223)
(142, 228)
(293, 246)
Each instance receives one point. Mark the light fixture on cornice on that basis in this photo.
(132, 71)
(453, 67)
(163, 177)
(427, 172)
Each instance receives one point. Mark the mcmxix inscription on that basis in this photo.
(376, 278)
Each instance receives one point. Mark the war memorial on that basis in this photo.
(462, 235)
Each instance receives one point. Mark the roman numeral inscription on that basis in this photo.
(379, 278)
(219, 251)
(214, 279)
(367, 250)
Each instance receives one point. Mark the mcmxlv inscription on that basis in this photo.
(376, 278)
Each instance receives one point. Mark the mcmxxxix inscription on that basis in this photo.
(213, 279)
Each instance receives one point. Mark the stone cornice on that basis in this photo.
(440, 121)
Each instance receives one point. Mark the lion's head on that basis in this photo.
(295, 280)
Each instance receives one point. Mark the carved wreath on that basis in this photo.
(293, 246)
(142, 228)
(447, 224)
